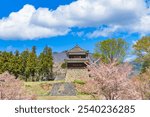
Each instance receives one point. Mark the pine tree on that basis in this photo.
(24, 56)
(15, 64)
(31, 67)
(5, 61)
(1, 63)
(46, 64)
(27, 65)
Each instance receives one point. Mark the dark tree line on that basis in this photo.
(27, 65)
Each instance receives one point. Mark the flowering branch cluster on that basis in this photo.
(112, 81)
(12, 89)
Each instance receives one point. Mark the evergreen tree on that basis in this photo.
(31, 67)
(24, 56)
(27, 65)
(1, 63)
(16, 53)
(46, 64)
(15, 64)
(5, 61)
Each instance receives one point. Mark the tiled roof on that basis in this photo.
(77, 49)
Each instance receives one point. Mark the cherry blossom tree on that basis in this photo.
(143, 84)
(113, 82)
(12, 89)
(88, 86)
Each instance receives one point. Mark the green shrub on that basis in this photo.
(63, 65)
(79, 82)
(82, 93)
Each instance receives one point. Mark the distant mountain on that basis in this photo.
(59, 57)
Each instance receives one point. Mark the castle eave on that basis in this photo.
(76, 60)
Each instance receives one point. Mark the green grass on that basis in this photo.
(78, 97)
(49, 82)
(42, 91)
(79, 82)
(82, 93)
(38, 89)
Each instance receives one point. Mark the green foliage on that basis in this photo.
(31, 67)
(39, 88)
(142, 50)
(79, 82)
(111, 49)
(27, 65)
(24, 56)
(45, 64)
(63, 65)
(15, 64)
(83, 93)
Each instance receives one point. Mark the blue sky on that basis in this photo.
(61, 24)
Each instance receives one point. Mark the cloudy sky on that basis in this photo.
(62, 24)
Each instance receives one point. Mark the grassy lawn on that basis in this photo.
(39, 88)
(78, 97)
(42, 91)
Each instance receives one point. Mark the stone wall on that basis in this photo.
(74, 74)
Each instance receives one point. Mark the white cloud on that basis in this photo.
(31, 23)
(130, 58)
(79, 34)
(143, 25)
(104, 32)
(19, 26)
(86, 13)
